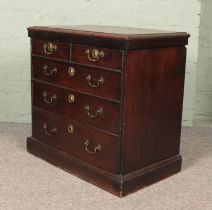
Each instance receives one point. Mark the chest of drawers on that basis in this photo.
(107, 103)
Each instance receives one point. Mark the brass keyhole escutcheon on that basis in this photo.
(71, 71)
(71, 98)
(70, 129)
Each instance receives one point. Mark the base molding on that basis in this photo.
(119, 185)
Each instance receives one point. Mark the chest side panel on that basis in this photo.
(154, 84)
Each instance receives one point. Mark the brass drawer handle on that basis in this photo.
(71, 71)
(50, 73)
(94, 83)
(92, 150)
(49, 48)
(97, 113)
(94, 54)
(48, 132)
(49, 100)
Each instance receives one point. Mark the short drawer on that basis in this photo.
(96, 56)
(90, 146)
(86, 79)
(51, 49)
(95, 112)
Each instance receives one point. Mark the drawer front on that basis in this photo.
(85, 79)
(78, 107)
(87, 145)
(51, 49)
(92, 55)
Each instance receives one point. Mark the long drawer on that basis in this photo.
(86, 79)
(88, 145)
(99, 113)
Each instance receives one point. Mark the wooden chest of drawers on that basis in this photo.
(107, 103)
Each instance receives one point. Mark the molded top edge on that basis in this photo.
(124, 32)
(124, 38)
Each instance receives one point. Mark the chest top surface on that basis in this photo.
(110, 36)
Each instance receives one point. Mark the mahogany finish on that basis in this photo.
(62, 52)
(109, 120)
(107, 103)
(111, 87)
(152, 111)
(73, 143)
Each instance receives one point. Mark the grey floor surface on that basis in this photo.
(27, 182)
